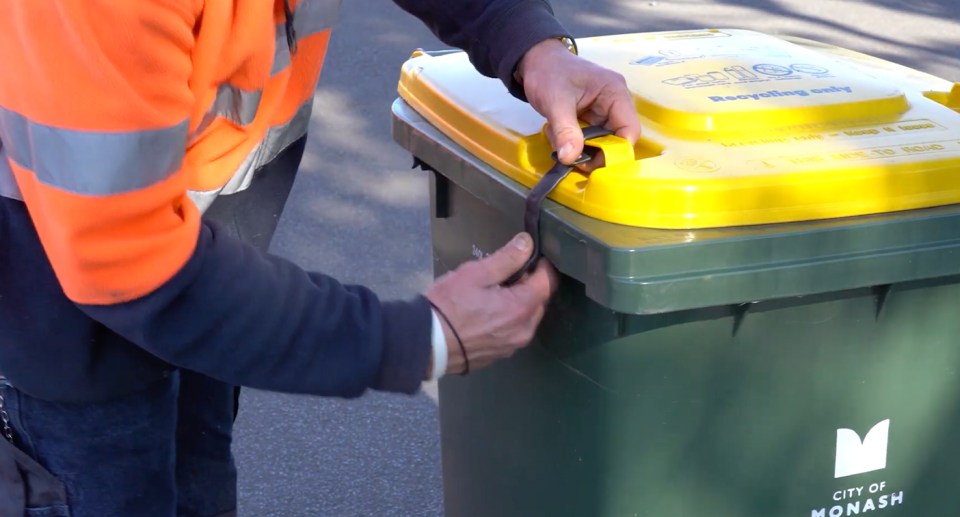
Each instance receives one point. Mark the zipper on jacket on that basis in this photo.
(291, 32)
(4, 416)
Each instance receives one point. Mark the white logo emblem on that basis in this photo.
(856, 457)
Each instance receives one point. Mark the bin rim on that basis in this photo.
(789, 129)
(636, 270)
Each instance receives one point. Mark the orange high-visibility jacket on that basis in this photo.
(120, 122)
(151, 136)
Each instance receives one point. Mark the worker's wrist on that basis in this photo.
(438, 359)
(541, 54)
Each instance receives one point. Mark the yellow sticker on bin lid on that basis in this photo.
(739, 128)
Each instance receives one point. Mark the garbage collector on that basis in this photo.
(146, 150)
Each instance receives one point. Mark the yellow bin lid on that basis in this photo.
(739, 128)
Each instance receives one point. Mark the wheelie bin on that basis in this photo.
(759, 313)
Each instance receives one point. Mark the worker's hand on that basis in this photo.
(493, 321)
(564, 87)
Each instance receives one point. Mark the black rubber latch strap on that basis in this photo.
(543, 188)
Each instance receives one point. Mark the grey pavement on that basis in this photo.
(359, 212)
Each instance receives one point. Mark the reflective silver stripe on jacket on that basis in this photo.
(240, 107)
(8, 183)
(107, 163)
(309, 17)
(236, 105)
(276, 140)
(93, 163)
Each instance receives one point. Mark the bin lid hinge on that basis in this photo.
(882, 293)
(424, 166)
(739, 314)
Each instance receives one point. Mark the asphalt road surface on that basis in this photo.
(359, 212)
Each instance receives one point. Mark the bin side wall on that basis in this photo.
(678, 415)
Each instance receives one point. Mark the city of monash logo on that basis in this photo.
(855, 456)
(858, 457)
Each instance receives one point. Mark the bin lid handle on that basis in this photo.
(543, 188)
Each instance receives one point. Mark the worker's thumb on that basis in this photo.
(509, 259)
(565, 131)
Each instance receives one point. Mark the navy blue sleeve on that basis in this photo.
(494, 33)
(257, 320)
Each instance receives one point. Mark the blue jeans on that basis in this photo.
(161, 452)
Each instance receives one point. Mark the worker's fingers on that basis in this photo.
(622, 116)
(537, 287)
(506, 261)
(613, 110)
(560, 110)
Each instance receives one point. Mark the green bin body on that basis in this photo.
(792, 370)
